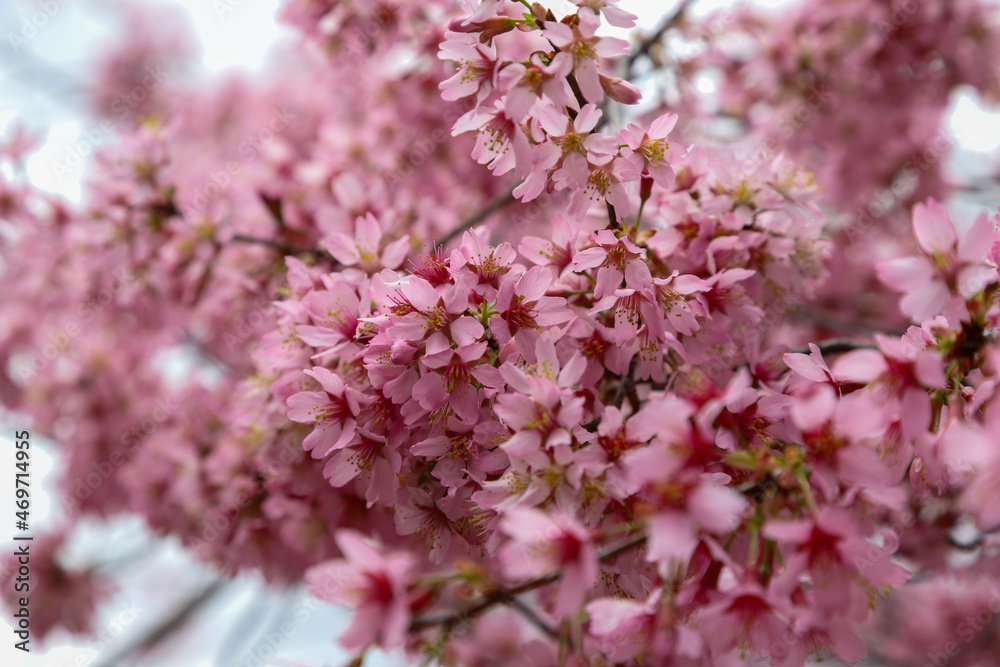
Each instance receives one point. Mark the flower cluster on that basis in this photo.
(815, 76)
(536, 112)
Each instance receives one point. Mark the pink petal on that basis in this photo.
(974, 247)
(904, 274)
(806, 366)
(671, 536)
(859, 366)
(925, 302)
(466, 330)
(933, 228)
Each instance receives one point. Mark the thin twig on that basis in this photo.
(126, 560)
(502, 594)
(838, 346)
(833, 321)
(532, 616)
(165, 628)
(273, 206)
(966, 546)
(654, 38)
(281, 247)
(492, 207)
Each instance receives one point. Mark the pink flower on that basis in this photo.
(981, 499)
(370, 460)
(843, 433)
(625, 627)
(628, 304)
(729, 296)
(420, 514)
(839, 633)
(477, 67)
(616, 436)
(545, 542)
(968, 454)
(595, 178)
(678, 299)
(618, 260)
(615, 16)
(448, 380)
(434, 267)
(485, 10)
(830, 549)
(523, 310)
(60, 596)
(948, 266)
(487, 263)
(500, 143)
(373, 584)
(334, 411)
(902, 370)
(581, 42)
(501, 638)
(650, 152)
(525, 84)
(745, 616)
(563, 137)
(418, 312)
(556, 251)
(364, 248)
(684, 501)
(810, 366)
(335, 313)
(461, 451)
(542, 410)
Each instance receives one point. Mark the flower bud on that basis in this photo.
(539, 12)
(494, 26)
(459, 25)
(620, 90)
(645, 188)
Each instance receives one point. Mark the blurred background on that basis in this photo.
(240, 623)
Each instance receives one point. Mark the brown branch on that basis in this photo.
(532, 617)
(837, 346)
(281, 247)
(165, 628)
(503, 594)
(273, 206)
(492, 207)
(654, 38)
(835, 322)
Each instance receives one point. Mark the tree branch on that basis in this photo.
(654, 38)
(837, 346)
(169, 625)
(833, 321)
(281, 247)
(492, 207)
(532, 617)
(273, 206)
(504, 594)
